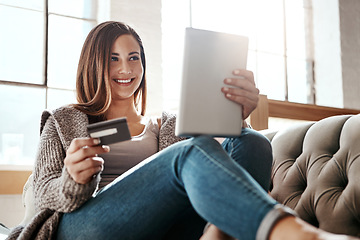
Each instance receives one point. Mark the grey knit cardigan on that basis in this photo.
(55, 191)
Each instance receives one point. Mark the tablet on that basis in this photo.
(110, 131)
(209, 58)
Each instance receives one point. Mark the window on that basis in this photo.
(279, 46)
(40, 46)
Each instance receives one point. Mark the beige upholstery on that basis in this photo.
(28, 201)
(316, 171)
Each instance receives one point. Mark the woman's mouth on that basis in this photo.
(124, 81)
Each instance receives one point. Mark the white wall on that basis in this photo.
(350, 51)
(336, 52)
(327, 53)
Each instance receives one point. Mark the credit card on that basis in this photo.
(110, 131)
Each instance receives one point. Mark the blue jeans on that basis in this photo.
(172, 194)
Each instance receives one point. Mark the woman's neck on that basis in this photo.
(123, 108)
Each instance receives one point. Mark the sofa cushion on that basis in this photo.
(316, 172)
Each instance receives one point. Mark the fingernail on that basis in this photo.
(228, 80)
(106, 148)
(236, 71)
(97, 141)
(228, 95)
(225, 89)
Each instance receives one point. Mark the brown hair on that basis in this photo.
(92, 81)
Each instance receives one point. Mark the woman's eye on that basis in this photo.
(114, 59)
(134, 58)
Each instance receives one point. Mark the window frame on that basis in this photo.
(309, 58)
(44, 85)
(46, 14)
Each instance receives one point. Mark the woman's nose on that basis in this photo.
(124, 68)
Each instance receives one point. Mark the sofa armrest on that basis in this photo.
(269, 133)
(28, 201)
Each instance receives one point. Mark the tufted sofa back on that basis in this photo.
(316, 172)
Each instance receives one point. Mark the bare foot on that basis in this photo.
(289, 227)
(329, 236)
(214, 233)
(301, 230)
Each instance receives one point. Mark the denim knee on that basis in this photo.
(204, 139)
(204, 142)
(253, 152)
(256, 137)
(254, 141)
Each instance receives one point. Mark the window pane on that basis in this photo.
(57, 98)
(175, 18)
(21, 109)
(295, 29)
(271, 79)
(66, 37)
(251, 63)
(263, 22)
(21, 45)
(32, 4)
(270, 26)
(297, 81)
(223, 16)
(78, 8)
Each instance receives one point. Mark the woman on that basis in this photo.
(174, 186)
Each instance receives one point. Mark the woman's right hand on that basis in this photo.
(82, 161)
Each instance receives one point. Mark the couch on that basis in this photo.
(316, 172)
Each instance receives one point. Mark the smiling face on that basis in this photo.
(126, 70)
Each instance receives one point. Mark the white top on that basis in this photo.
(125, 155)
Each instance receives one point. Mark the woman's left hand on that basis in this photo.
(242, 90)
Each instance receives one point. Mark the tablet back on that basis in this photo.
(209, 58)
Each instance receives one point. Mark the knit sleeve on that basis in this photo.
(53, 186)
(167, 135)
